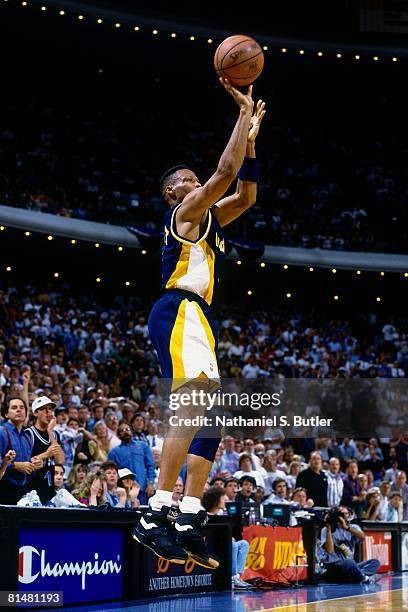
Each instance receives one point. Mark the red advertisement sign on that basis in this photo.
(378, 545)
(273, 553)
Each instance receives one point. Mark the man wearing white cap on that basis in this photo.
(46, 445)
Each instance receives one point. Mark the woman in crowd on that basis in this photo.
(77, 476)
(213, 501)
(99, 443)
(293, 473)
(373, 499)
(92, 492)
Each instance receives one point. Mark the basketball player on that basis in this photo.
(183, 330)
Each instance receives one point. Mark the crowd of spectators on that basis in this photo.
(86, 377)
(325, 191)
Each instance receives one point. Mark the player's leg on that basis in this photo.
(192, 519)
(176, 445)
(155, 530)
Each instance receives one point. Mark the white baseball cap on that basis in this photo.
(125, 472)
(40, 402)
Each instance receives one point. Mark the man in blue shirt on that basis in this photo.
(229, 461)
(15, 481)
(137, 457)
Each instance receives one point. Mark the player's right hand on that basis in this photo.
(244, 101)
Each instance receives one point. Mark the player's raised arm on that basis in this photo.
(201, 199)
(230, 208)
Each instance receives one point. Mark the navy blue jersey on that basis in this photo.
(192, 265)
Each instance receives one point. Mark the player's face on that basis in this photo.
(185, 182)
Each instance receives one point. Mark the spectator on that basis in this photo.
(348, 450)
(229, 461)
(392, 512)
(391, 473)
(385, 490)
(373, 462)
(247, 487)
(335, 483)
(314, 480)
(132, 488)
(138, 423)
(58, 478)
(247, 468)
(15, 481)
(372, 511)
(154, 439)
(271, 472)
(231, 489)
(352, 492)
(112, 423)
(137, 457)
(68, 430)
(213, 501)
(93, 490)
(249, 449)
(157, 455)
(45, 443)
(280, 494)
(402, 488)
(299, 496)
(217, 482)
(98, 413)
(178, 491)
(115, 495)
(77, 476)
(99, 444)
(293, 472)
(259, 495)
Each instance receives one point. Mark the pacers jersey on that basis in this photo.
(192, 265)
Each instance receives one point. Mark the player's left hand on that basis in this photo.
(256, 120)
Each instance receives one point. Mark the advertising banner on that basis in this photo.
(85, 564)
(160, 577)
(378, 545)
(273, 552)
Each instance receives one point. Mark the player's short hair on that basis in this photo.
(167, 176)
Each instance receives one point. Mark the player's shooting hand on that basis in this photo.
(256, 120)
(244, 101)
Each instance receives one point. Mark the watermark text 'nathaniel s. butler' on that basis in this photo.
(241, 421)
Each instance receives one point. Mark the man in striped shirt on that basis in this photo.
(335, 483)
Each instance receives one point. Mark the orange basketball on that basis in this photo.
(239, 59)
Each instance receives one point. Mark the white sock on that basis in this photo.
(160, 498)
(191, 505)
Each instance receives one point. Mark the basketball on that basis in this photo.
(239, 59)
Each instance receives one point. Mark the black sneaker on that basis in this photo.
(156, 532)
(189, 528)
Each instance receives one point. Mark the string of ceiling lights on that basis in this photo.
(285, 267)
(355, 56)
